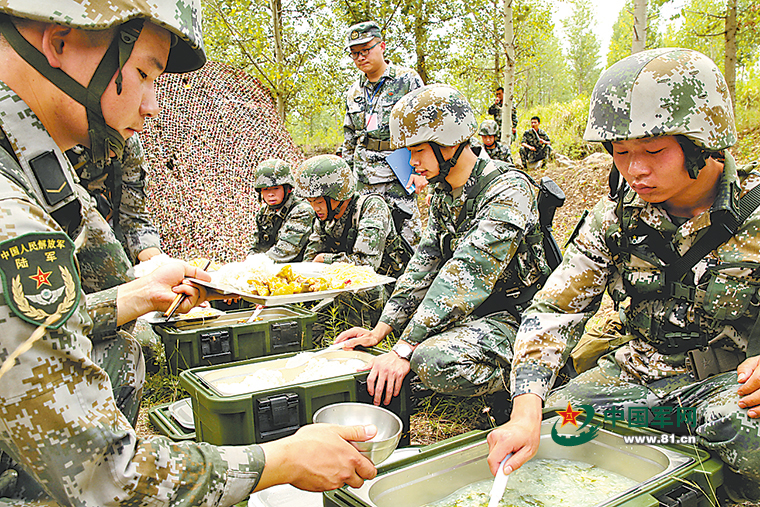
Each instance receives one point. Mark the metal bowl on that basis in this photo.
(388, 425)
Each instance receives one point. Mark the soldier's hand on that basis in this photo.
(357, 336)
(418, 181)
(318, 457)
(519, 436)
(387, 375)
(749, 378)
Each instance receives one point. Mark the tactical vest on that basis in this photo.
(689, 313)
(269, 229)
(538, 245)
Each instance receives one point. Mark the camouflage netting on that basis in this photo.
(216, 125)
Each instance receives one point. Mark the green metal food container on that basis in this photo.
(230, 337)
(665, 475)
(166, 421)
(225, 417)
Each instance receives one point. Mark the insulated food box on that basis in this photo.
(667, 475)
(229, 408)
(230, 337)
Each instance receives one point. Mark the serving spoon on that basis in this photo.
(499, 483)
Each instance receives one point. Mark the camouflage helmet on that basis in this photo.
(326, 176)
(180, 17)
(273, 172)
(667, 91)
(488, 128)
(435, 113)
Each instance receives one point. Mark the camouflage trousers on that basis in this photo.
(720, 425)
(471, 358)
(395, 193)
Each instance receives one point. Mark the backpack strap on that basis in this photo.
(469, 205)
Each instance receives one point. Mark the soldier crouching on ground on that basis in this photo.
(677, 246)
(70, 395)
(284, 221)
(458, 304)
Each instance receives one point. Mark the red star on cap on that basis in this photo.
(42, 277)
(569, 415)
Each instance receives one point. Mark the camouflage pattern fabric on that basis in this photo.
(373, 230)
(694, 100)
(61, 418)
(498, 151)
(365, 100)
(273, 172)
(283, 231)
(531, 137)
(724, 310)
(325, 176)
(435, 300)
(395, 194)
(362, 32)
(495, 111)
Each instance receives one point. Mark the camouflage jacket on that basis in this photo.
(363, 100)
(438, 290)
(495, 111)
(60, 421)
(373, 231)
(722, 308)
(283, 232)
(531, 137)
(498, 152)
(134, 222)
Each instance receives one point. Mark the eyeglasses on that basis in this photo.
(363, 52)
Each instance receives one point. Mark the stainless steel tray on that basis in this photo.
(429, 480)
(311, 269)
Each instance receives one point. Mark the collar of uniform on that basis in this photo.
(390, 73)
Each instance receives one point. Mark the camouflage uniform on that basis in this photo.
(717, 301)
(283, 230)
(496, 151)
(495, 111)
(135, 230)
(365, 151)
(459, 298)
(530, 157)
(65, 399)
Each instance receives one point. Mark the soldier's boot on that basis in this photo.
(739, 488)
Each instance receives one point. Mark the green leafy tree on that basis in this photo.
(583, 46)
(622, 32)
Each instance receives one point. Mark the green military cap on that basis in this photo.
(363, 32)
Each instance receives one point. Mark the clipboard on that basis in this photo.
(399, 162)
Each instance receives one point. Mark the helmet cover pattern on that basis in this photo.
(488, 128)
(273, 172)
(326, 176)
(666, 91)
(435, 113)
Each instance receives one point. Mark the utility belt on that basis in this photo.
(709, 361)
(375, 144)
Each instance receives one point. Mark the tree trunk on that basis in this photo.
(730, 58)
(277, 28)
(639, 42)
(420, 40)
(509, 75)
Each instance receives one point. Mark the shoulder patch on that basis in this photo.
(40, 281)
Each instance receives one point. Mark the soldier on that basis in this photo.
(458, 304)
(72, 374)
(535, 146)
(284, 221)
(496, 150)
(366, 135)
(495, 111)
(676, 244)
(350, 228)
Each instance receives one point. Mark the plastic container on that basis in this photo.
(231, 338)
(266, 414)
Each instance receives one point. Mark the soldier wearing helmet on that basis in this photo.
(366, 135)
(458, 304)
(497, 151)
(83, 73)
(675, 246)
(284, 221)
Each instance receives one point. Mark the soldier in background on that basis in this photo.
(495, 111)
(535, 146)
(458, 304)
(366, 134)
(497, 151)
(677, 245)
(284, 221)
(71, 392)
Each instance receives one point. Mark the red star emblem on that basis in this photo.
(42, 277)
(569, 415)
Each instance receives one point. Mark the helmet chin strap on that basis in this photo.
(103, 138)
(444, 166)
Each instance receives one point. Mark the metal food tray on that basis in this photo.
(310, 269)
